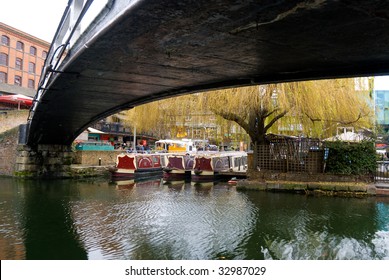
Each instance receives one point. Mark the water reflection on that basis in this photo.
(165, 221)
(153, 219)
(35, 221)
(318, 228)
(49, 230)
(11, 230)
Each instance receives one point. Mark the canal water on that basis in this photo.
(98, 219)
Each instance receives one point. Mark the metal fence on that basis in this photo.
(382, 172)
(291, 154)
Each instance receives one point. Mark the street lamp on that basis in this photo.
(205, 130)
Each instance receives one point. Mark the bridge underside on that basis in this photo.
(158, 48)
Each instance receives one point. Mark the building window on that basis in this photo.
(19, 46)
(32, 50)
(4, 40)
(18, 81)
(3, 59)
(19, 63)
(3, 77)
(31, 83)
(31, 67)
(44, 54)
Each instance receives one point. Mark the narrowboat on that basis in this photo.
(133, 165)
(178, 166)
(212, 166)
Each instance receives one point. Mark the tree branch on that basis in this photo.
(268, 114)
(233, 117)
(337, 121)
(276, 118)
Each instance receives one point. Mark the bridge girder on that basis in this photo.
(140, 51)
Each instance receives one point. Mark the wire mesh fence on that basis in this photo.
(291, 154)
(382, 172)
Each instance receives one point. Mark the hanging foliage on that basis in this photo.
(312, 108)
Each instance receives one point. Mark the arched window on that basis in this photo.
(32, 50)
(3, 77)
(31, 67)
(19, 63)
(20, 46)
(5, 40)
(18, 81)
(31, 83)
(44, 54)
(3, 59)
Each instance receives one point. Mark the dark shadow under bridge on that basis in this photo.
(139, 51)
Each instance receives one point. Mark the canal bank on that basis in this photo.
(313, 184)
(343, 189)
(317, 184)
(97, 164)
(340, 188)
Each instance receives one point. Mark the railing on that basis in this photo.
(291, 155)
(382, 172)
(68, 31)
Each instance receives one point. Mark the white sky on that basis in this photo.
(39, 18)
(381, 83)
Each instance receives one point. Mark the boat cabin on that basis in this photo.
(175, 146)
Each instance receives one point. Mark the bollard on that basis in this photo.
(99, 161)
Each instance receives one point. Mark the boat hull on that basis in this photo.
(215, 166)
(119, 175)
(173, 175)
(203, 176)
(137, 166)
(178, 166)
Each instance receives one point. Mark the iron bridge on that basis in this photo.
(135, 51)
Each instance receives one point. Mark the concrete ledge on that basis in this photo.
(82, 171)
(343, 189)
(382, 191)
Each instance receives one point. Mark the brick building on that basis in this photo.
(22, 57)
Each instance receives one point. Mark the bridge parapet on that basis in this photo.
(68, 31)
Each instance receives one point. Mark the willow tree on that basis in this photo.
(316, 106)
(163, 117)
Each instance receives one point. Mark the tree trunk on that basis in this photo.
(257, 133)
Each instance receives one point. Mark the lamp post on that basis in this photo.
(205, 130)
(134, 145)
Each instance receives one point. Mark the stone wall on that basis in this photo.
(43, 161)
(8, 147)
(9, 131)
(12, 118)
(266, 175)
(95, 158)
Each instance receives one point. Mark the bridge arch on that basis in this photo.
(139, 51)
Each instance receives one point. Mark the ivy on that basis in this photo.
(351, 158)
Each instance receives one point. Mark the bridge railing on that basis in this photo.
(74, 22)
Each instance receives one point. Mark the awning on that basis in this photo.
(96, 131)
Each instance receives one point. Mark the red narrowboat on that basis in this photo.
(132, 165)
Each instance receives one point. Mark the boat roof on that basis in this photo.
(174, 141)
